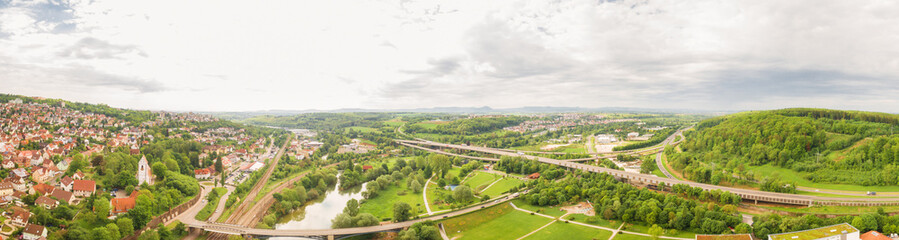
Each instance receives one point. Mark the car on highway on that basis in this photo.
(872, 193)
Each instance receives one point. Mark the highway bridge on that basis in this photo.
(747, 194)
(234, 229)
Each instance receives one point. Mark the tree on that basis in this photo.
(865, 222)
(126, 226)
(743, 228)
(440, 163)
(172, 165)
(401, 211)
(218, 165)
(114, 232)
(462, 193)
(352, 208)
(159, 169)
(101, 209)
(149, 235)
(655, 231)
(416, 186)
(101, 233)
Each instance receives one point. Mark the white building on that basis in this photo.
(842, 231)
(144, 173)
(605, 138)
(633, 134)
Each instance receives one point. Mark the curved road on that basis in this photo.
(746, 194)
(669, 140)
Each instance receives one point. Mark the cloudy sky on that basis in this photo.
(255, 55)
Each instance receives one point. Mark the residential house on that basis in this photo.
(18, 183)
(19, 218)
(63, 195)
(46, 202)
(66, 183)
(20, 172)
(64, 164)
(874, 235)
(202, 173)
(43, 189)
(6, 189)
(84, 188)
(8, 164)
(78, 175)
(534, 176)
(744, 236)
(122, 205)
(34, 232)
(41, 175)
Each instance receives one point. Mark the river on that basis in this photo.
(318, 214)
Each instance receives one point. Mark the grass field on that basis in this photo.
(658, 173)
(599, 221)
(502, 186)
(211, 205)
(793, 176)
(433, 189)
(382, 205)
(668, 232)
(480, 179)
(552, 211)
(573, 148)
(498, 222)
(364, 129)
(562, 230)
(625, 236)
(837, 210)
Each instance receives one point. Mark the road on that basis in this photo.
(668, 140)
(221, 207)
(746, 194)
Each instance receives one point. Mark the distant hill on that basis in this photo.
(821, 145)
(453, 110)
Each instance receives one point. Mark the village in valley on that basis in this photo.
(50, 156)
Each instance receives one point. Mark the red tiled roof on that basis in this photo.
(62, 195)
(43, 188)
(874, 235)
(34, 229)
(85, 185)
(66, 180)
(744, 236)
(45, 201)
(121, 205)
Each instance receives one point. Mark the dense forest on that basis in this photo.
(614, 200)
(469, 126)
(826, 146)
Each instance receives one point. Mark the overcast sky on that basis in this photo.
(255, 55)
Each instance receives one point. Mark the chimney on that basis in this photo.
(843, 235)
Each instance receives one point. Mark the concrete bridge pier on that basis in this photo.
(330, 237)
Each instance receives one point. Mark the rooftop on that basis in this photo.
(725, 237)
(816, 233)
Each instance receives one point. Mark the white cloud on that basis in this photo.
(237, 55)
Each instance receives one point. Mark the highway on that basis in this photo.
(669, 140)
(746, 194)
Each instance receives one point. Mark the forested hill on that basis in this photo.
(830, 146)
